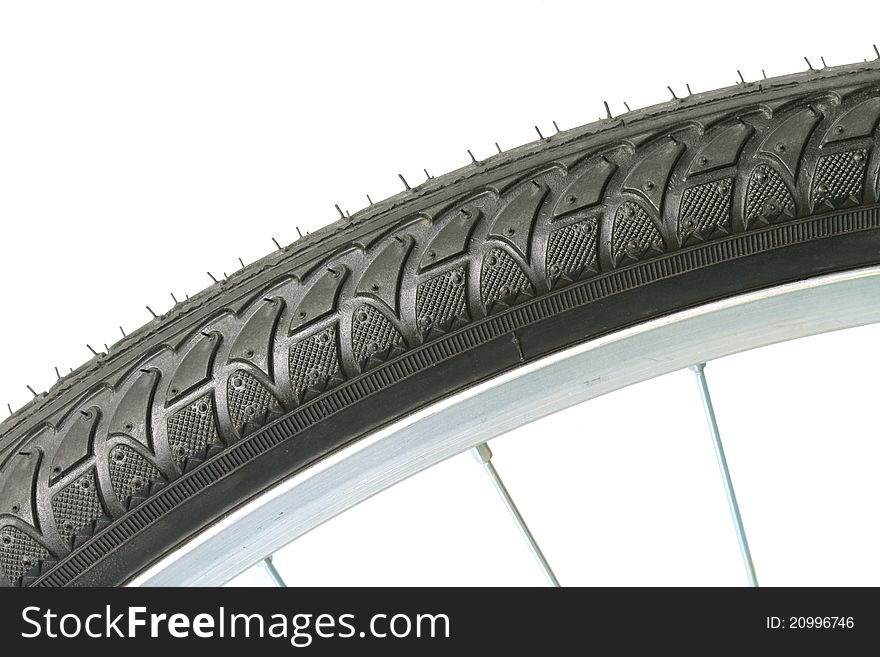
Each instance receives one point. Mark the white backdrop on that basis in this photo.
(143, 144)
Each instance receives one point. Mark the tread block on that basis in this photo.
(76, 445)
(192, 431)
(254, 343)
(586, 190)
(502, 281)
(250, 403)
(634, 236)
(18, 486)
(130, 474)
(441, 303)
(451, 239)
(839, 180)
(19, 553)
(856, 123)
(320, 299)
(572, 252)
(373, 337)
(768, 198)
(650, 175)
(195, 368)
(786, 141)
(514, 222)
(381, 278)
(722, 150)
(132, 416)
(77, 506)
(705, 211)
(313, 363)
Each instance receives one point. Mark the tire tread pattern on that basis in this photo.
(570, 229)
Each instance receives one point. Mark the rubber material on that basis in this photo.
(453, 282)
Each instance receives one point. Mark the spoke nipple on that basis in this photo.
(482, 453)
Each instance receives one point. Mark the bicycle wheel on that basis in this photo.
(764, 195)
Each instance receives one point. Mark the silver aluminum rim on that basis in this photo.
(474, 416)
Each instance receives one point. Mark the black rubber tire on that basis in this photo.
(450, 283)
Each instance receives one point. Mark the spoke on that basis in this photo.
(484, 455)
(725, 473)
(273, 573)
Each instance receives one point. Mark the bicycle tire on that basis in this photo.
(424, 294)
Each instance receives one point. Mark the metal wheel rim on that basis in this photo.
(476, 415)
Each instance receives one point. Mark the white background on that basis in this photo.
(143, 144)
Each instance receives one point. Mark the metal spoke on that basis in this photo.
(725, 473)
(484, 456)
(273, 573)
